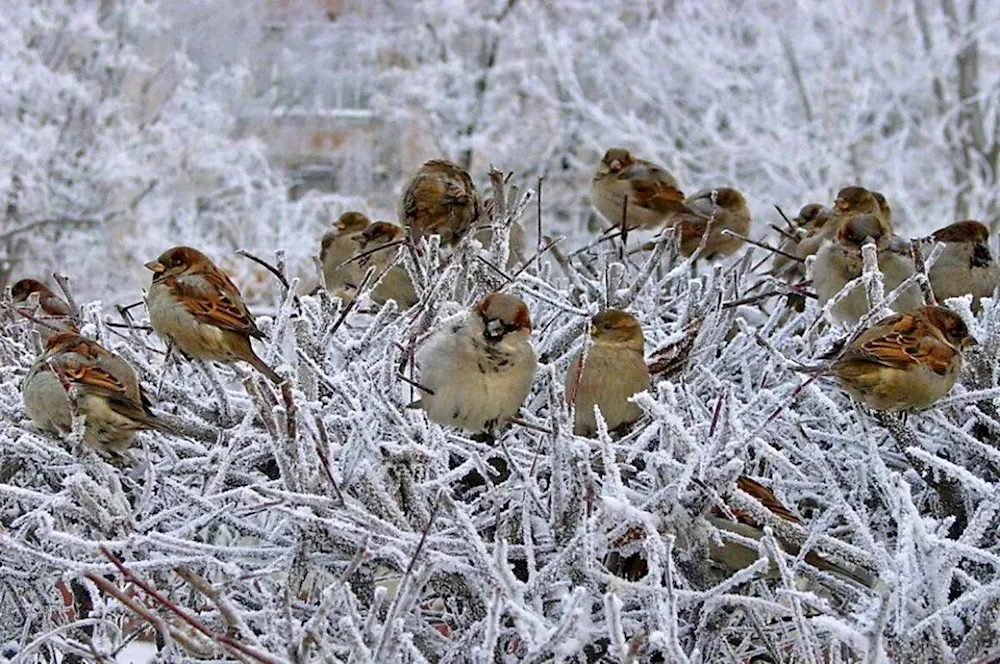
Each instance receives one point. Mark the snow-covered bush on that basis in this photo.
(327, 521)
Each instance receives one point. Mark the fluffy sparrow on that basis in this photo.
(338, 246)
(966, 266)
(651, 191)
(106, 391)
(729, 211)
(441, 200)
(735, 556)
(395, 284)
(906, 361)
(51, 310)
(840, 261)
(195, 307)
(615, 370)
(478, 367)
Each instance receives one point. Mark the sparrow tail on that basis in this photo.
(262, 367)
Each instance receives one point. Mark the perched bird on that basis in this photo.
(103, 386)
(810, 219)
(477, 368)
(811, 216)
(853, 201)
(906, 361)
(966, 266)
(735, 556)
(195, 307)
(651, 191)
(395, 284)
(839, 262)
(441, 200)
(728, 211)
(825, 224)
(338, 246)
(614, 370)
(52, 312)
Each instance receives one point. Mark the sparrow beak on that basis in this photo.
(155, 266)
(494, 330)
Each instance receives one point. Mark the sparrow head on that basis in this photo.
(856, 200)
(856, 231)
(950, 325)
(352, 222)
(808, 214)
(379, 233)
(501, 314)
(883, 205)
(24, 288)
(969, 230)
(615, 160)
(178, 260)
(614, 326)
(728, 198)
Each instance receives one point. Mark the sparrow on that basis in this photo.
(736, 556)
(196, 308)
(811, 216)
(850, 202)
(440, 199)
(477, 368)
(966, 266)
(838, 262)
(337, 247)
(52, 312)
(395, 284)
(651, 191)
(906, 361)
(728, 211)
(614, 370)
(107, 393)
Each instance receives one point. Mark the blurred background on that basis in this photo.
(127, 126)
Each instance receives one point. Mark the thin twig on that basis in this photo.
(263, 263)
(762, 245)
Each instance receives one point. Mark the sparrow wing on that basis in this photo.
(766, 498)
(219, 304)
(901, 341)
(95, 379)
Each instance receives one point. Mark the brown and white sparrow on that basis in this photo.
(728, 211)
(906, 361)
(966, 265)
(195, 307)
(439, 200)
(52, 312)
(104, 387)
(395, 284)
(478, 367)
(736, 556)
(839, 262)
(826, 223)
(337, 247)
(615, 369)
(651, 191)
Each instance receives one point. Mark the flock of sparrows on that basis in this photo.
(477, 368)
